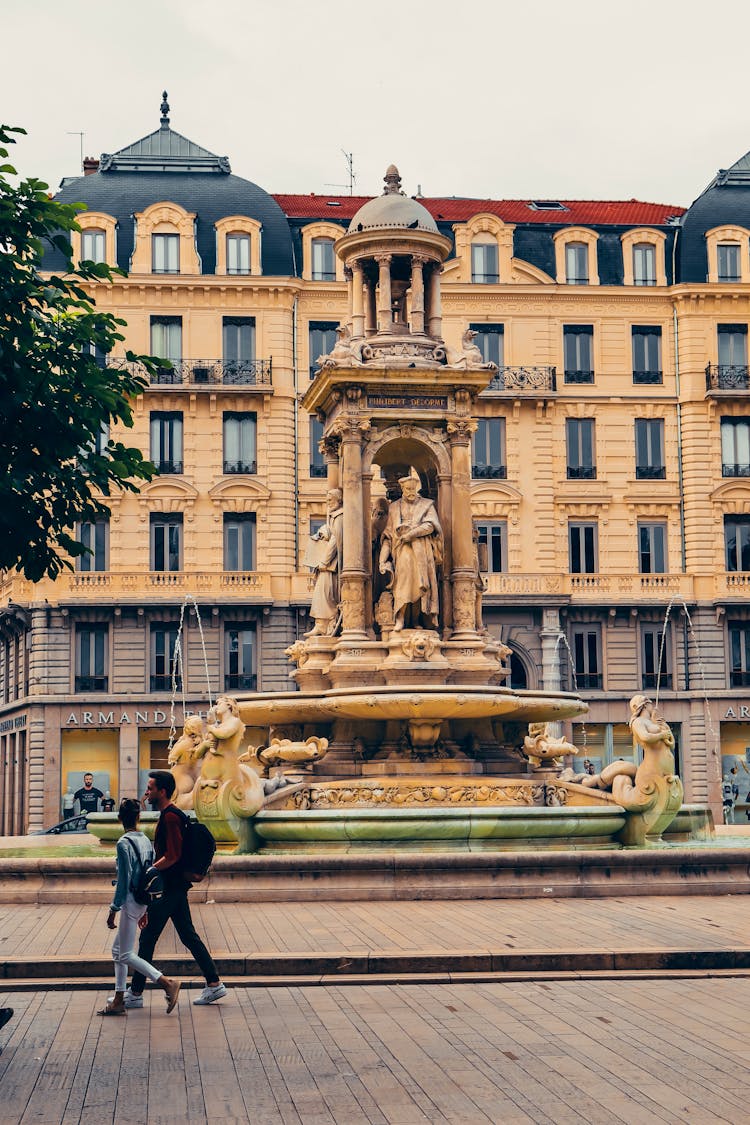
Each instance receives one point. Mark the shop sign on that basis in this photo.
(407, 402)
(18, 723)
(118, 718)
(738, 712)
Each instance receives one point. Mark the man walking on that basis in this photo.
(168, 844)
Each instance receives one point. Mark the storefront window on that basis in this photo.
(89, 751)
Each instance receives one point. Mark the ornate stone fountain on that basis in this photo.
(402, 732)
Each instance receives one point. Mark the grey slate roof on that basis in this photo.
(725, 202)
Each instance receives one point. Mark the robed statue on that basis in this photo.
(411, 551)
(326, 557)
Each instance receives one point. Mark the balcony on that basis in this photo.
(610, 588)
(489, 472)
(585, 377)
(651, 377)
(122, 587)
(166, 468)
(91, 683)
(248, 468)
(525, 380)
(727, 377)
(650, 472)
(206, 373)
(581, 472)
(240, 682)
(735, 470)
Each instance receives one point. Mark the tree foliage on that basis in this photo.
(56, 397)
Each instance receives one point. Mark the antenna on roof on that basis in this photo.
(349, 158)
(77, 133)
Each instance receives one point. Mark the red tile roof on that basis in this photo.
(587, 212)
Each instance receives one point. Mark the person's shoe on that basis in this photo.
(6, 1014)
(133, 1000)
(113, 1010)
(210, 994)
(172, 990)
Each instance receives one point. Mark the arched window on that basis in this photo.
(518, 678)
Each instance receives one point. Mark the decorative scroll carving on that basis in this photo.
(359, 794)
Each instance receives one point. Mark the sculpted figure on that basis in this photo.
(184, 763)
(541, 746)
(220, 749)
(410, 553)
(324, 607)
(378, 521)
(227, 792)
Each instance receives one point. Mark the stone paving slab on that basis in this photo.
(598, 1052)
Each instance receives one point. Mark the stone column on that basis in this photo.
(358, 311)
(371, 312)
(417, 293)
(330, 450)
(385, 311)
(462, 574)
(550, 635)
(349, 294)
(354, 570)
(435, 326)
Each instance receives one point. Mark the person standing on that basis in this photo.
(134, 853)
(88, 797)
(168, 843)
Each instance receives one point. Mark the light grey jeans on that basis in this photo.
(123, 953)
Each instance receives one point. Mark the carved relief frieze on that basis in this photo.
(371, 794)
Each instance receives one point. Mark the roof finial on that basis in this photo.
(164, 111)
(392, 181)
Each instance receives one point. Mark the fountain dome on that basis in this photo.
(392, 209)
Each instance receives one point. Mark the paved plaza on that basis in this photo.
(622, 1045)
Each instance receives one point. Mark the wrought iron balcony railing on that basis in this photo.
(648, 377)
(240, 682)
(206, 372)
(652, 680)
(727, 377)
(317, 471)
(92, 683)
(579, 376)
(650, 472)
(164, 683)
(166, 467)
(489, 472)
(581, 472)
(249, 468)
(735, 470)
(524, 380)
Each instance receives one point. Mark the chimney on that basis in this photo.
(90, 165)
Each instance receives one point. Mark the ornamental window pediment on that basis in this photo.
(484, 250)
(732, 497)
(165, 241)
(240, 496)
(167, 495)
(238, 246)
(97, 239)
(643, 260)
(320, 261)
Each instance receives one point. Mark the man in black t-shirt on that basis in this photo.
(88, 798)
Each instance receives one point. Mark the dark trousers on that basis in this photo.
(173, 904)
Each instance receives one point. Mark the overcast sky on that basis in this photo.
(573, 99)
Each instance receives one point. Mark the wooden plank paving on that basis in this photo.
(243, 928)
(596, 1052)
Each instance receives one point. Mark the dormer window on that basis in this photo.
(323, 260)
(238, 253)
(165, 253)
(94, 245)
(644, 264)
(484, 269)
(577, 263)
(728, 261)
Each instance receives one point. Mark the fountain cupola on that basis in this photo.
(393, 255)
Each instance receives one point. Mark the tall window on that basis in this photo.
(577, 263)
(240, 442)
(586, 648)
(739, 648)
(238, 253)
(578, 353)
(489, 340)
(166, 542)
(323, 260)
(238, 341)
(652, 548)
(165, 253)
(732, 339)
(94, 245)
(735, 447)
(737, 542)
(728, 261)
(580, 440)
(321, 341)
(164, 666)
(653, 673)
(644, 264)
(91, 658)
(492, 544)
(94, 537)
(488, 449)
(484, 269)
(166, 338)
(239, 542)
(318, 466)
(166, 440)
(647, 353)
(649, 449)
(582, 548)
(239, 658)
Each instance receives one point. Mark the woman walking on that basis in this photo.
(134, 853)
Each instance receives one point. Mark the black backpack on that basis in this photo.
(148, 886)
(198, 847)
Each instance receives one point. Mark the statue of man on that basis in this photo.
(411, 551)
(324, 607)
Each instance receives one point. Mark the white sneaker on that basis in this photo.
(131, 1000)
(208, 995)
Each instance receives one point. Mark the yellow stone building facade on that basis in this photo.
(611, 466)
